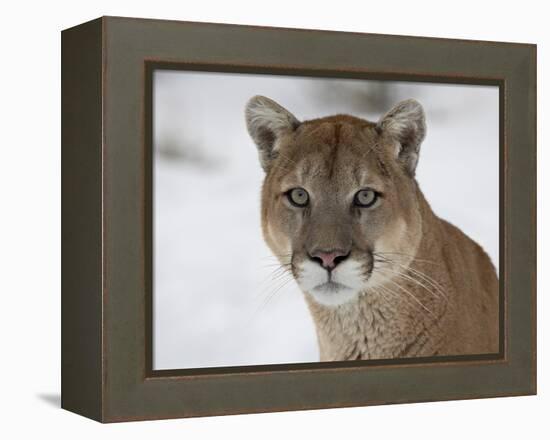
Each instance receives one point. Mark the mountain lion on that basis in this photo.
(382, 275)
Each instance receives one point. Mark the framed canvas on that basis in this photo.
(263, 219)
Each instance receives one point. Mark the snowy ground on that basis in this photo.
(214, 301)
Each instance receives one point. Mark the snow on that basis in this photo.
(215, 300)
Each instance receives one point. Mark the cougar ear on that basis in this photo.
(406, 123)
(266, 121)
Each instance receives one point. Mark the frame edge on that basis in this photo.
(81, 219)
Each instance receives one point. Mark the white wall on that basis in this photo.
(30, 232)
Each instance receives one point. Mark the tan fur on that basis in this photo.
(426, 288)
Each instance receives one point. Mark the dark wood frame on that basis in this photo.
(107, 217)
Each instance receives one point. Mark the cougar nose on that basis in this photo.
(329, 259)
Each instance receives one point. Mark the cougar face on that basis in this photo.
(338, 195)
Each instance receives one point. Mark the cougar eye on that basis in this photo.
(298, 197)
(365, 198)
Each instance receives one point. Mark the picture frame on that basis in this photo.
(107, 257)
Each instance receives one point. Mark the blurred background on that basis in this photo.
(217, 301)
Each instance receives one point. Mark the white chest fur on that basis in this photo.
(372, 327)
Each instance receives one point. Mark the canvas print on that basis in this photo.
(306, 219)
